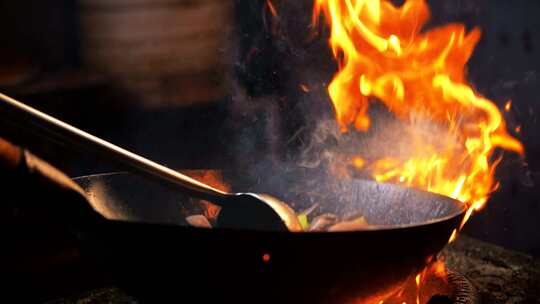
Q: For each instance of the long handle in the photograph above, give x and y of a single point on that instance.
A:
(44, 124)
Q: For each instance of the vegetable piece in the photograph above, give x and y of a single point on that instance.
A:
(303, 216)
(304, 222)
(356, 224)
(198, 221)
(323, 222)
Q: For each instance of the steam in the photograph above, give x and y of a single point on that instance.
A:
(401, 139)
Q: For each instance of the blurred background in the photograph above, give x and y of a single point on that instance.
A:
(220, 84)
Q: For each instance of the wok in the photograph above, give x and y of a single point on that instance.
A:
(151, 253)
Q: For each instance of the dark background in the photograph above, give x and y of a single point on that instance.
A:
(263, 61)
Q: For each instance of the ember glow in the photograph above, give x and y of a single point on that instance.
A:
(271, 8)
(383, 55)
(214, 179)
(431, 281)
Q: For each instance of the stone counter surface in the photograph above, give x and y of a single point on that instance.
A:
(501, 276)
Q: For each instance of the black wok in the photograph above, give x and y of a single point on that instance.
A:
(157, 261)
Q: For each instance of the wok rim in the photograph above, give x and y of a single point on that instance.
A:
(371, 228)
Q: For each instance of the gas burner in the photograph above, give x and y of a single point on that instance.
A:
(464, 290)
(448, 288)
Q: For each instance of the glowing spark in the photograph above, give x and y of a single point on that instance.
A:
(272, 8)
(358, 162)
(508, 106)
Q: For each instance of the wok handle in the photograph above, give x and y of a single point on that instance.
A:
(42, 124)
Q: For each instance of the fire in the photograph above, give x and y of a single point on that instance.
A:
(453, 236)
(214, 179)
(358, 162)
(271, 8)
(430, 281)
(384, 55)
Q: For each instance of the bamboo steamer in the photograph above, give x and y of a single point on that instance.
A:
(165, 52)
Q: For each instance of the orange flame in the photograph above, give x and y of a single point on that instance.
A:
(418, 281)
(214, 179)
(272, 8)
(384, 55)
(453, 236)
(358, 162)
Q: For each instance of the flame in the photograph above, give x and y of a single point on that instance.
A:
(418, 279)
(435, 269)
(272, 8)
(214, 179)
(358, 162)
(420, 288)
(453, 236)
(384, 55)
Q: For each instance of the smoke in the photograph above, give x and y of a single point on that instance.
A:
(269, 60)
(280, 115)
(389, 137)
